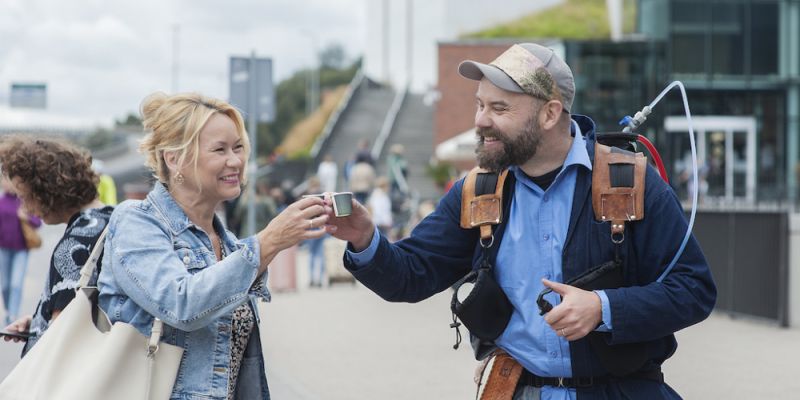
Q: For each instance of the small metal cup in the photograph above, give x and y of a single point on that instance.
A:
(342, 204)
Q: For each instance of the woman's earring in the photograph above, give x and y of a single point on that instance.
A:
(179, 178)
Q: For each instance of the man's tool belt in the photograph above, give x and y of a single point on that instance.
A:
(505, 374)
(529, 379)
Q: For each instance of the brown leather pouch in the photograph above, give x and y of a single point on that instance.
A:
(618, 186)
(503, 378)
(485, 208)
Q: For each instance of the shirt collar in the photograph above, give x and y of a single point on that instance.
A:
(176, 218)
(578, 155)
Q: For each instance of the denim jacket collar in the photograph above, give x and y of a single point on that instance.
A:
(174, 215)
(166, 205)
(178, 221)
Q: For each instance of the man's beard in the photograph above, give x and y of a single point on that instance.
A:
(516, 151)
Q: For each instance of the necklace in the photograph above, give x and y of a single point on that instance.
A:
(215, 237)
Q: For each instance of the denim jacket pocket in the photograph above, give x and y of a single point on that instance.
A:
(191, 259)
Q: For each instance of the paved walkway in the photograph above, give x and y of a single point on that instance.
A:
(343, 342)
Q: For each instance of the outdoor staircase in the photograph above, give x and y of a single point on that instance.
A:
(361, 120)
(413, 129)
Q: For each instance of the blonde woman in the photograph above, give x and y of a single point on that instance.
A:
(168, 256)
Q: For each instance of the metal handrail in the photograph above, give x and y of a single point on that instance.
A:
(334, 117)
(388, 123)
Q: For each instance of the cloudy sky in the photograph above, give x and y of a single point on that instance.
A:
(99, 58)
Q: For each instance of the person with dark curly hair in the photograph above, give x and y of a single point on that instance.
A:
(55, 180)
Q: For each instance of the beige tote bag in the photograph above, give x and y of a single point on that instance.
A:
(77, 358)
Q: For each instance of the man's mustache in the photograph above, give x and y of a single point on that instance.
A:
(484, 132)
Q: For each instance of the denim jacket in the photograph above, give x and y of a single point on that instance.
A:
(158, 263)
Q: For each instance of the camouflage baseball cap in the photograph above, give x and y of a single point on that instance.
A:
(527, 68)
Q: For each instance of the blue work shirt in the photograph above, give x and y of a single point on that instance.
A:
(530, 251)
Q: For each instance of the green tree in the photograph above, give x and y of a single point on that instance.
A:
(132, 119)
(291, 96)
(332, 57)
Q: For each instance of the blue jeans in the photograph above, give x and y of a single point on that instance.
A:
(13, 264)
(316, 259)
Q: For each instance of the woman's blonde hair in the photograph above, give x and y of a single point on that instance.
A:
(173, 123)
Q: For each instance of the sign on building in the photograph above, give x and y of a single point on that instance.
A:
(28, 95)
(252, 84)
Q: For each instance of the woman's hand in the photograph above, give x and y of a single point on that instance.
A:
(21, 325)
(302, 220)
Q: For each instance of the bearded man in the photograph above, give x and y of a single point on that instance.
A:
(523, 122)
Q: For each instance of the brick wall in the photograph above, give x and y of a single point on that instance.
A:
(455, 110)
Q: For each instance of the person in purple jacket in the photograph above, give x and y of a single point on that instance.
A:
(13, 252)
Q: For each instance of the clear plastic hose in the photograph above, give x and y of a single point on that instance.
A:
(694, 171)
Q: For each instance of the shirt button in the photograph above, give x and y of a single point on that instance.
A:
(186, 260)
(546, 236)
(547, 276)
(553, 354)
(546, 198)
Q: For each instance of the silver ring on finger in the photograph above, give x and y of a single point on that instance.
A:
(310, 224)
(563, 333)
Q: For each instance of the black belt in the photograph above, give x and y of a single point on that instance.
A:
(529, 379)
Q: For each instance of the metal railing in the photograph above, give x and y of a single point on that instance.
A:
(748, 253)
(334, 117)
(388, 123)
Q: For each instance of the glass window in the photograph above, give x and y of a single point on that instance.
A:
(764, 38)
(688, 53)
(690, 13)
(727, 56)
(728, 51)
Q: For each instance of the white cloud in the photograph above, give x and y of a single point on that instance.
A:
(100, 58)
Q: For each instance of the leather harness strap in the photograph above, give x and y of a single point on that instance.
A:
(482, 200)
(618, 187)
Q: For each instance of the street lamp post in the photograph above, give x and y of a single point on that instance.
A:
(312, 82)
(252, 127)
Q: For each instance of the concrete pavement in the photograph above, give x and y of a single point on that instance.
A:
(343, 342)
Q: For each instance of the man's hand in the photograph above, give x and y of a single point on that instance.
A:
(579, 313)
(357, 228)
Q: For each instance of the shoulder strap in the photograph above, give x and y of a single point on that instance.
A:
(91, 264)
(482, 200)
(618, 187)
(86, 273)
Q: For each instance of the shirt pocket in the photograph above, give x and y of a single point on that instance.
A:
(191, 258)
